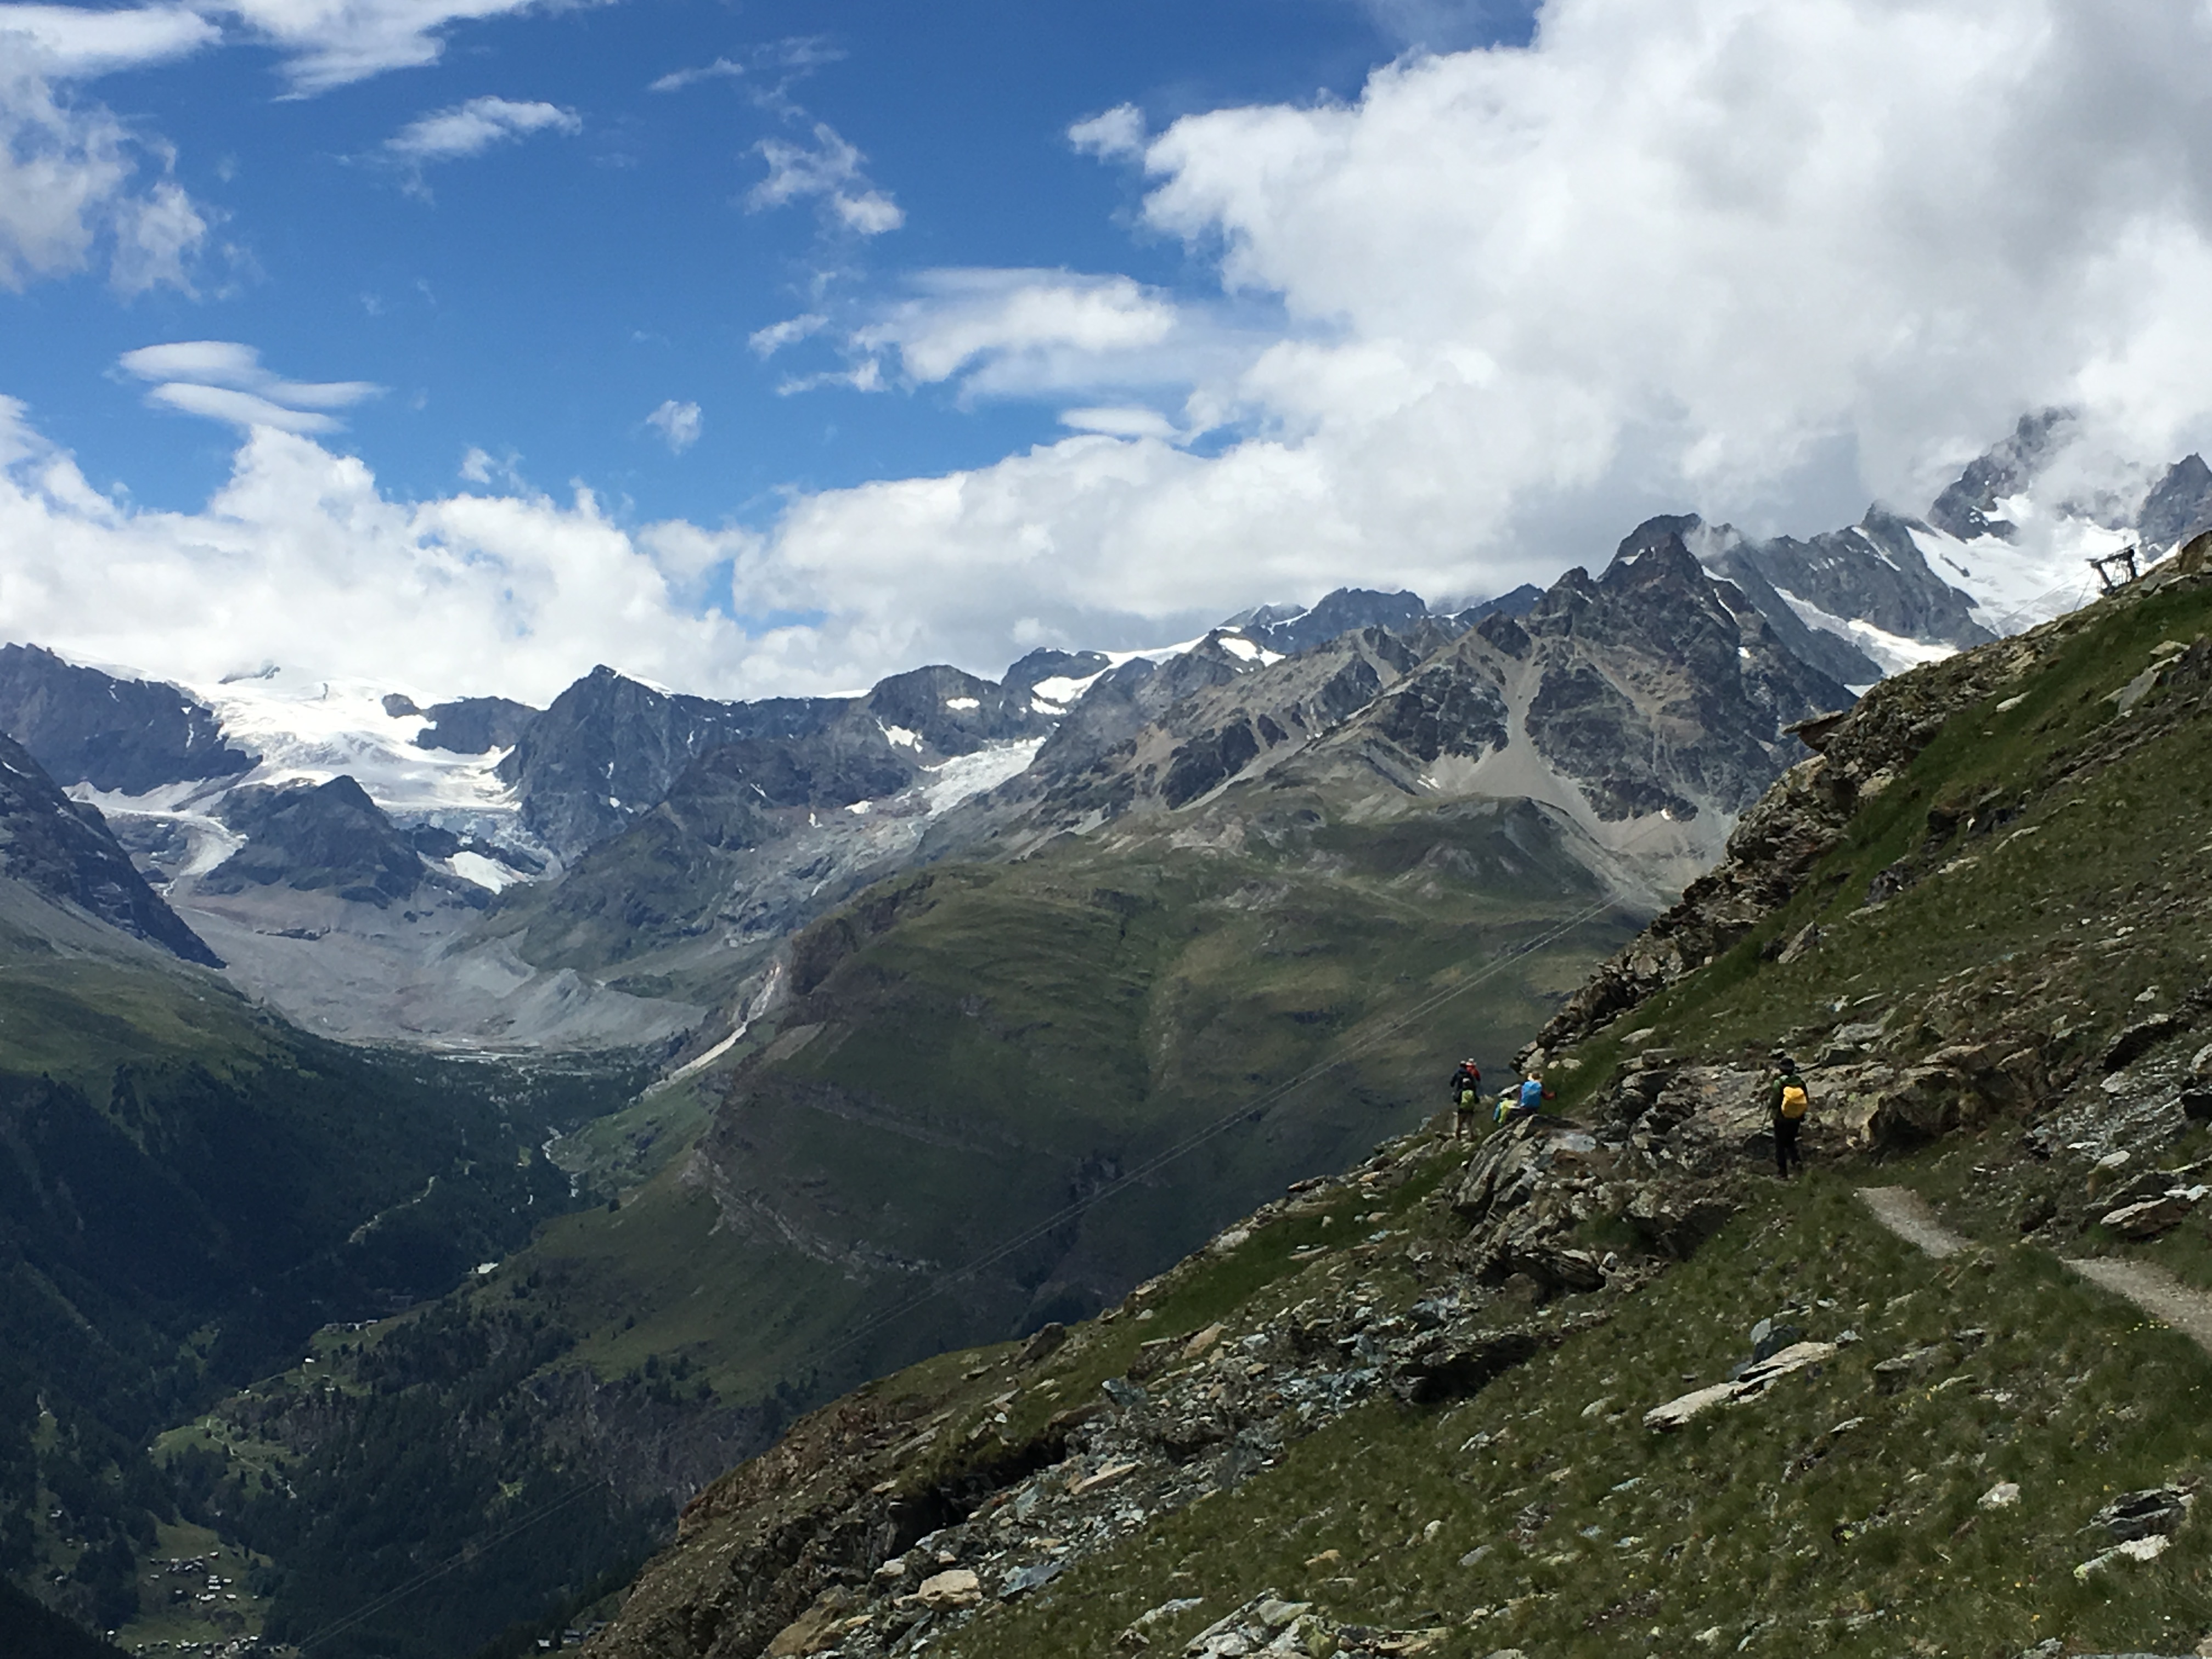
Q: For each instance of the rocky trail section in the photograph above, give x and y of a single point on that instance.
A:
(2156, 1292)
(2151, 1288)
(884, 1523)
(887, 1524)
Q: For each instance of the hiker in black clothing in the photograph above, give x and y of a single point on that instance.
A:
(1788, 1101)
(1466, 1091)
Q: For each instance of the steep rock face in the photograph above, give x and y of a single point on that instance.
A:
(1966, 508)
(1654, 691)
(476, 726)
(116, 734)
(609, 747)
(1805, 815)
(763, 832)
(1127, 699)
(1347, 610)
(956, 714)
(1213, 714)
(1821, 648)
(1660, 688)
(2178, 506)
(1873, 571)
(1047, 664)
(64, 849)
(329, 837)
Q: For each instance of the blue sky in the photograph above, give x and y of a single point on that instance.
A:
(539, 298)
(765, 348)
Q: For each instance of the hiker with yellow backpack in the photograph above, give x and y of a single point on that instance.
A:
(1788, 1102)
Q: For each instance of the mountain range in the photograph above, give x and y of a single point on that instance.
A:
(606, 870)
(1602, 1383)
(920, 977)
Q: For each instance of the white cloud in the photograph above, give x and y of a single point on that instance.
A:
(1005, 329)
(833, 170)
(226, 381)
(1120, 421)
(1748, 257)
(767, 342)
(301, 560)
(157, 235)
(720, 69)
(678, 423)
(1764, 260)
(69, 190)
(69, 42)
(1119, 131)
(331, 43)
(871, 213)
(472, 128)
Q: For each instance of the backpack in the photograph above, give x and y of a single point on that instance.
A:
(1467, 1098)
(1795, 1099)
(1532, 1096)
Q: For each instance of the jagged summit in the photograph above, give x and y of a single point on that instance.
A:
(1968, 508)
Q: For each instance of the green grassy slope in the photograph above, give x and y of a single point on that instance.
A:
(1829, 1516)
(189, 1187)
(965, 1053)
(2044, 901)
(972, 1049)
(2032, 833)
(2062, 873)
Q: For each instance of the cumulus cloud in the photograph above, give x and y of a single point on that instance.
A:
(70, 190)
(301, 560)
(225, 382)
(1004, 330)
(69, 42)
(1761, 260)
(678, 424)
(1757, 258)
(472, 128)
(1119, 131)
(831, 169)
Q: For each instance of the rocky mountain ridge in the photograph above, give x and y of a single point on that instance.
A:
(2010, 1023)
(494, 794)
(63, 848)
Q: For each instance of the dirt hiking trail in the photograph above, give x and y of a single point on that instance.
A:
(1906, 1214)
(2152, 1289)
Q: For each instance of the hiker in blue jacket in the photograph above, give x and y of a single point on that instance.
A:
(1526, 1100)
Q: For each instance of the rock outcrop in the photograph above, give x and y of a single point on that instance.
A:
(123, 735)
(64, 849)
